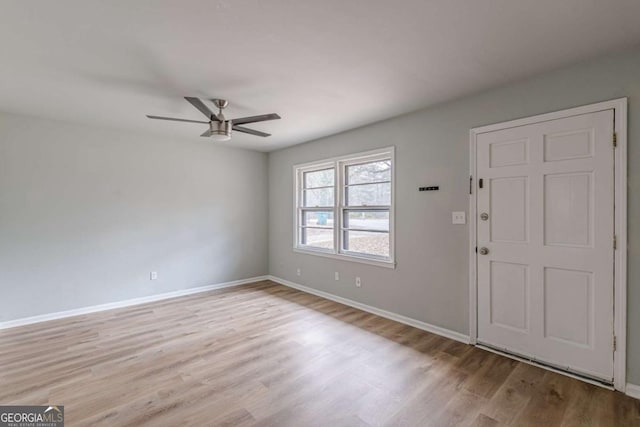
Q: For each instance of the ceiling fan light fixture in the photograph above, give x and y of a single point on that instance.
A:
(219, 127)
(221, 131)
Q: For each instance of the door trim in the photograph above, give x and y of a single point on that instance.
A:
(620, 219)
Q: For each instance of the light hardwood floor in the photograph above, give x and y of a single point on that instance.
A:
(264, 354)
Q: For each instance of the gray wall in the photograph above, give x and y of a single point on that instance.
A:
(430, 282)
(87, 213)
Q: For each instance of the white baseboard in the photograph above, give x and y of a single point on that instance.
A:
(457, 336)
(125, 303)
(633, 390)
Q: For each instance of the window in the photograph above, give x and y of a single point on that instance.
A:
(344, 207)
(316, 212)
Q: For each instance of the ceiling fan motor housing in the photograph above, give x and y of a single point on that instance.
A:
(221, 131)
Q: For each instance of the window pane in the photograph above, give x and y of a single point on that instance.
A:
(368, 195)
(322, 178)
(369, 172)
(367, 243)
(317, 219)
(318, 197)
(318, 237)
(368, 220)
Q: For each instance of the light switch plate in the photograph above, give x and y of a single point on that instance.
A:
(458, 218)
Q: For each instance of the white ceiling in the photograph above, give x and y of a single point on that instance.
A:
(324, 65)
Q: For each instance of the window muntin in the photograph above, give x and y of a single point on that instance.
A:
(317, 209)
(367, 243)
(372, 220)
(345, 207)
(319, 178)
(322, 238)
(370, 172)
(318, 188)
(319, 197)
(366, 208)
(378, 194)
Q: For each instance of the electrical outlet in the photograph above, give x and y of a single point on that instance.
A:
(298, 272)
(153, 275)
(337, 276)
(358, 282)
(458, 218)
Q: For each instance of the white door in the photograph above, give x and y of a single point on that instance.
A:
(545, 287)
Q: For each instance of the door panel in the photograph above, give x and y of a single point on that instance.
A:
(568, 209)
(564, 288)
(508, 153)
(545, 288)
(508, 209)
(509, 295)
(568, 145)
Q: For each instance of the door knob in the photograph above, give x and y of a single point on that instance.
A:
(484, 216)
(484, 251)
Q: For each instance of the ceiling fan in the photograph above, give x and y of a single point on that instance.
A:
(219, 127)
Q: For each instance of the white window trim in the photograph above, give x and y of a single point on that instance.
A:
(339, 163)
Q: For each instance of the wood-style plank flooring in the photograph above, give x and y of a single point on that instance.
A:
(267, 355)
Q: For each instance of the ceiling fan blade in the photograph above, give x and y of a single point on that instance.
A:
(196, 102)
(250, 131)
(206, 133)
(253, 119)
(176, 120)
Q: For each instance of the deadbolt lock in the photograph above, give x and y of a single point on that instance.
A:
(484, 216)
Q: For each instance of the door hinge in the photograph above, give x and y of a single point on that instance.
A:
(615, 139)
(471, 185)
(480, 183)
(615, 242)
(615, 343)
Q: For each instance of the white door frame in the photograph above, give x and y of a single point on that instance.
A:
(620, 269)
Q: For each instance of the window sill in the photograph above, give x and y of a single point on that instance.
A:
(345, 257)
